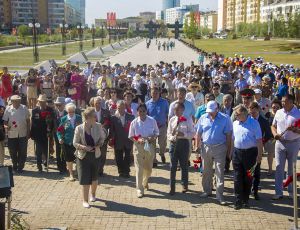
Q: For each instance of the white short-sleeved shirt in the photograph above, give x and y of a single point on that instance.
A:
(17, 121)
(145, 128)
(283, 120)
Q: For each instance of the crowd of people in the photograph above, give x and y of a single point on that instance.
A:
(229, 111)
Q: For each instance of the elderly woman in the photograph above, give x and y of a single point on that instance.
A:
(65, 134)
(143, 132)
(88, 139)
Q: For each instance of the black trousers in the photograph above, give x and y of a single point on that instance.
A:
(179, 152)
(256, 178)
(18, 151)
(243, 160)
(227, 163)
(123, 160)
(60, 160)
(41, 150)
(102, 160)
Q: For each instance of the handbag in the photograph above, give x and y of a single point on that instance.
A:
(72, 91)
(147, 147)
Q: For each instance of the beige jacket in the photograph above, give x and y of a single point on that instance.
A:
(98, 133)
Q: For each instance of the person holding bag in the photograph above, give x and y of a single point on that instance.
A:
(143, 132)
(88, 139)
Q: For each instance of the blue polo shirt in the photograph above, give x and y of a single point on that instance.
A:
(158, 110)
(214, 132)
(200, 111)
(246, 133)
(189, 110)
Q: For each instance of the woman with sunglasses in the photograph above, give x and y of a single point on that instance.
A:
(143, 132)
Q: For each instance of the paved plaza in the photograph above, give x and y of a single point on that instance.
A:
(49, 200)
(139, 54)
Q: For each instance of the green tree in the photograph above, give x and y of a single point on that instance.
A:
(23, 31)
(130, 33)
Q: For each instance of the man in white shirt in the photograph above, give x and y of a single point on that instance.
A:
(17, 120)
(180, 131)
(143, 132)
(287, 145)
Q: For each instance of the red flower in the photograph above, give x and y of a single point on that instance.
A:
(289, 180)
(106, 122)
(129, 110)
(249, 175)
(114, 106)
(196, 166)
(182, 119)
(136, 138)
(61, 129)
(15, 126)
(263, 108)
(297, 124)
(14, 122)
(197, 161)
(44, 114)
(264, 141)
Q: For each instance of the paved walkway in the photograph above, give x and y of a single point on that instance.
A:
(139, 54)
(50, 200)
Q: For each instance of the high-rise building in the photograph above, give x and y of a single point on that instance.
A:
(159, 15)
(222, 14)
(167, 4)
(78, 5)
(177, 13)
(49, 13)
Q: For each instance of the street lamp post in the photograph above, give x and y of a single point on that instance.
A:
(119, 38)
(80, 34)
(93, 35)
(34, 25)
(115, 33)
(109, 37)
(102, 35)
(63, 27)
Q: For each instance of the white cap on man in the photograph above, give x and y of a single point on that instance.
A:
(211, 107)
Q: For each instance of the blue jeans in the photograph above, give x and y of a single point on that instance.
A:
(18, 151)
(285, 151)
(179, 151)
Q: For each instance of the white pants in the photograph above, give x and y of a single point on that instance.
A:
(143, 161)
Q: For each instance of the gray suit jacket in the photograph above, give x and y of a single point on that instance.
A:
(99, 135)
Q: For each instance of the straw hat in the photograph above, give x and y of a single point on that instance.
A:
(15, 98)
(42, 97)
(194, 84)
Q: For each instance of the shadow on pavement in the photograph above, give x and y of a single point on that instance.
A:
(138, 211)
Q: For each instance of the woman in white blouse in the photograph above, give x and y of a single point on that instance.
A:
(194, 96)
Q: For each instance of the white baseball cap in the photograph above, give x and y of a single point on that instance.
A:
(211, 106)
(257, 91)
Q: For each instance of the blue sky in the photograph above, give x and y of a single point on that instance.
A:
(125, 8)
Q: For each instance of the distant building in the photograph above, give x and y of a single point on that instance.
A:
(148, 16)
(233, 12)
(130, 22)
(167, 4)
(177, 13)
(49, 13)
(222, 14)
(282, 9)
(159, 15)
(209, 20)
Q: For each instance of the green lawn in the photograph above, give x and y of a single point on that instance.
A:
(249, 48)
(25, 57)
